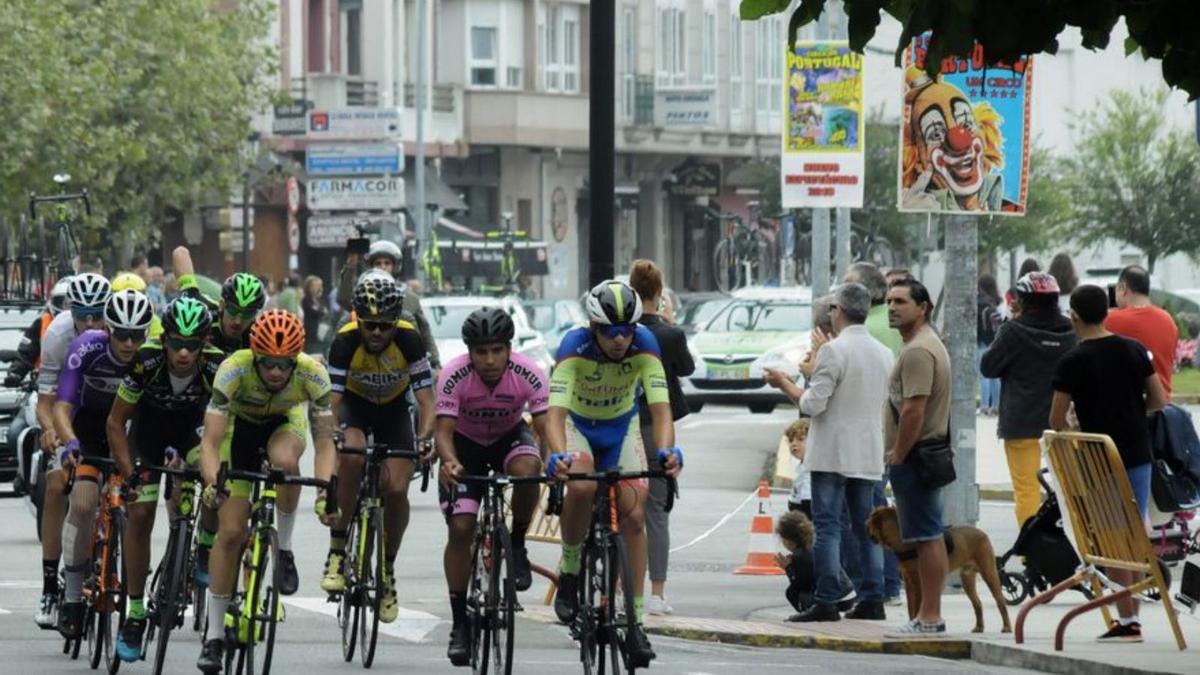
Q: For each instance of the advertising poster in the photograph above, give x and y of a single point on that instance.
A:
(822, 159)
(964, 135)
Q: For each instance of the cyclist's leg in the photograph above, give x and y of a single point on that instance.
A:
(392, 425)
(284, 449)
(240, 449)
(577, 503)
(54, 512)
(140, 525)
(77, 530)
(349, 470)
(461, 510)
(523, 458)
(631, 505)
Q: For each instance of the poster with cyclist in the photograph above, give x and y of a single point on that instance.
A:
(822, 158)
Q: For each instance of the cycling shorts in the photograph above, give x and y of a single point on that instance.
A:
(152, 433)
(612, 444)
(245, 444)
(390, 423)
(91, 430)
(482, 460)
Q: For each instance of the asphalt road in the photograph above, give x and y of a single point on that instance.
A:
(725, 450)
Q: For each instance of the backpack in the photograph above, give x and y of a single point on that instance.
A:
(987, 322)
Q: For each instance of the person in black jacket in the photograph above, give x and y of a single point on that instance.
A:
(646, 278)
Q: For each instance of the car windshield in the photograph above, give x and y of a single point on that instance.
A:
(541, 316)
(698, 314)
(10, 336)
(762, 316)
(445, 321)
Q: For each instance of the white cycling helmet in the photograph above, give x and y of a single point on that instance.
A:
(384, 248)
(129, 310)
(88, 290)
(613, 303)
(58, 297)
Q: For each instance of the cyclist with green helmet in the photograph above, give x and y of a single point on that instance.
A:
(242, 297)
(164, 394)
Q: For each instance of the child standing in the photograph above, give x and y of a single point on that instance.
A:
(801, 497)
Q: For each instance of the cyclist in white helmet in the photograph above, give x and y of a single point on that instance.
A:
(87, 295)
(29, 351)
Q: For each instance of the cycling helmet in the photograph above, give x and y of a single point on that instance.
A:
(243, 291)
(1037, 283)
(128, 281)
(488, 325)
(613, 303)
(377, 297)
(129, 310)
(88, 290)
(277, 332)
(387, 249)
(58, 297)
(186, 317)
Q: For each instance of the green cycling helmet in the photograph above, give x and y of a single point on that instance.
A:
(186, 317)
(244, 292)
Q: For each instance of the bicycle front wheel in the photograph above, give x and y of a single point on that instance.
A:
(621, 576)
(170, 593)
(478, 591)
(372, 583)
(350, 604)
(587, 624)
(723, 262)
(112, 600)
(263, 605)
(93, 628)
(502, 603)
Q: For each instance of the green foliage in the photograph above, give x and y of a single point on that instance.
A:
(145, 103)
(880, 181)
(1131, 179)
(1160, 29)
(1047, 209)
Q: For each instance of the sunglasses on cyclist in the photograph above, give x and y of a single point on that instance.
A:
(241, 315)
(276, 363)
(376, 326)
(179, 343)
(127, 335)
(87, 313)
(614, 332)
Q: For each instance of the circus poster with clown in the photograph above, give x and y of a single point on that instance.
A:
(964, 135)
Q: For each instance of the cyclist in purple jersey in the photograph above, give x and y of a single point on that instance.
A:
(95, 365)
(482, 398)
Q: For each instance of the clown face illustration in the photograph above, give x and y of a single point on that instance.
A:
(951, 145)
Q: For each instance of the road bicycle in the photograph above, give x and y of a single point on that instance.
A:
(67, 247)
(600, 626)
(866, 245)
(744, 256)
(365, 566)
(103, 589)
(491, 594)
(510, 266)
(173, 586)
(255, 612)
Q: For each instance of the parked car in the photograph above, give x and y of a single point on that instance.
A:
(696, 309)
(14, 418)
(446, 314)
(553, 318)
(758, 328)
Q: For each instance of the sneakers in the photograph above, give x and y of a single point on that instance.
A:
(656, 605)
(291, 577)
(916, 628)
(867, 611)
(200, 575)
(818, 612)
(389, 605)
(566, 601)
(70, 620)
(522, 576)
(1119, 633)
(212, 657)
(638, 646)
(129, 642)
(895, 601)
(459, 651)
(848, 599)
(334, 581)
(47, 614)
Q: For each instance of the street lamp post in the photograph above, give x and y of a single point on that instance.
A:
(601, 140)
(245, 220)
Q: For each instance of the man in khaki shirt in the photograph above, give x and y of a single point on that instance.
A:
(918, 409)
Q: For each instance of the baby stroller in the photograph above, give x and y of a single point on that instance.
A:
(1049, 556)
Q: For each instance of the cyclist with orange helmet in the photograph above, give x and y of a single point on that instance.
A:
(257, 412)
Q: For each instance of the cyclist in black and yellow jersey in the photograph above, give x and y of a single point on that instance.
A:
(372, 363)
(243, 296)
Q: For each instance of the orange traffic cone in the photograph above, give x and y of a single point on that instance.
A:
(760, 559)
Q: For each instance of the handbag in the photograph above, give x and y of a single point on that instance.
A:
(932, 460)
(1172, 492)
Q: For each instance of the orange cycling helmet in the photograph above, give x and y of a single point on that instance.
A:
(277, 332)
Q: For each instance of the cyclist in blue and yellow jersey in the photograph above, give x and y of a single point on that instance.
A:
(593, 425)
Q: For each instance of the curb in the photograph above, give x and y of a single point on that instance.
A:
(939, 647)
(993, 654)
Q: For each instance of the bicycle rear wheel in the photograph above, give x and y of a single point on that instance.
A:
(112, 602)
(587, 624)
(723, 262)
(622, 577)
(93, 630)
(371, 566)
(350, 605)
(610, 642)
(502, 602)
(264, 602)
(171, 598)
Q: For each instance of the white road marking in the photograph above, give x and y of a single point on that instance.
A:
(20, 584)
(411, 626)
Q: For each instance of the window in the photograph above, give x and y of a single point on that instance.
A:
(559, 51)
(628, 63)
(483, 56)
(352, 24)
(570, 55)
(708, 46)
(768, 69)
(736, 62)
(672, 65)
(513, 78)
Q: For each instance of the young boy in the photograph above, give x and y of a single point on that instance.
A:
(795, 531)
(801, 497)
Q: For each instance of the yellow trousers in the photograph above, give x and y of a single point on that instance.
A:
(1024, 463)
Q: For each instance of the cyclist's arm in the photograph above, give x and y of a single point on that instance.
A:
(118, 440)
(562, 390)
(426, 402)
(444, 433)
(541, 427)
(181, 259)
(45, 417)
(63, 410)
(210, 444)
(320, 411)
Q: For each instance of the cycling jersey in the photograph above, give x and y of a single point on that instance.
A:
(55, 343)
(487, 414)
(597, 389)
(216, 336)
(239, 391)
(93, 374)
(378, 378)
(30, 348)
(149, 380)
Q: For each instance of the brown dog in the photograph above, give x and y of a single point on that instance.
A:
(972, 554)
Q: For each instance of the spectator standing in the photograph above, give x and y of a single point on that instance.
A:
(646, 279)
(1138, 319)
(1010, 296)
(139, 266)
(154, 288)
(895, 274)
(1063, 271)
(918, 410)
(987, 322)
(1023, 356)
(288, 297)
(315, 312)
(1112, 383)
(846, 391)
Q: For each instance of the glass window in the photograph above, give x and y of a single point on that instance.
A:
(750, 315)
(736, 59)
(709, 48)
(445, 321)
(671, 52)
(483, 56)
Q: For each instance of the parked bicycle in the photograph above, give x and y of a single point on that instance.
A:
(601, 626)
(510, 267)
(67, 247)
(256, 610)
(744, 256)
(364, 566)
(491, 594)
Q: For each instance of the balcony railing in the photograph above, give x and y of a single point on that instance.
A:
(441, 97)
(345, 90)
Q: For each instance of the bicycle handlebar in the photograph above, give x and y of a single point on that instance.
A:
(82, 195)
(186, 473)
(382, 451)
(503, 479)
(555, 501)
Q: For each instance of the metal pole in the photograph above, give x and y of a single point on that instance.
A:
(601, 141)
(418, 211)
(245, 222)
(820, 252)
(843, 242)
(962, 496)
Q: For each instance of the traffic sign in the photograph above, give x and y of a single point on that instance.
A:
(353, 194)
(362, 123)
(293, 195)
(293, 232)
(347, 159)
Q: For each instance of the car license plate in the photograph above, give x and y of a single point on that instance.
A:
(731, 374)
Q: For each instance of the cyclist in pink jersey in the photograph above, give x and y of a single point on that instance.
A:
(482, 398)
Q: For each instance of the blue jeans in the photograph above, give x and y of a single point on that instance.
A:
(989, 387)
(832, 493)
(891, 566)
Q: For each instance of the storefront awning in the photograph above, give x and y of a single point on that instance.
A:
(459, 228)
(436, 192)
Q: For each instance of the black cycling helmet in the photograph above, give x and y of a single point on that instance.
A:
(613, 303)
(488, 325)
(187, 317)
(244, 292)
(377, 298)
